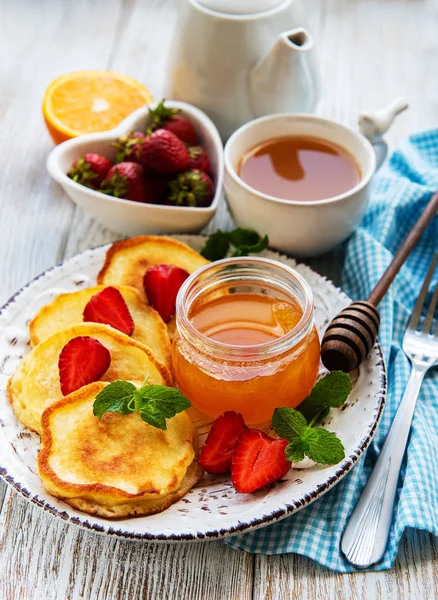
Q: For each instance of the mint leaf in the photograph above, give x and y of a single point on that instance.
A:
(318, 444)
(155, 403)
(334, 388)
(294, 451)
(152, 415)
(296, 426)
(324, 447)
(119, 406)
(166, 400)
(114, 397)
(308, 436)
(245, 241)
(259, 247)
(288, 423)
(243, 237)
(329, 392)
(216, 246)
(158, 403)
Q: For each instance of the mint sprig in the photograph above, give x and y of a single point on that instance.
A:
(318, 444)
(297, 426)
(244, 242)
(331, 391)
(155, 403)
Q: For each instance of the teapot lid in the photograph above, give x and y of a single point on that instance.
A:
(240, 7)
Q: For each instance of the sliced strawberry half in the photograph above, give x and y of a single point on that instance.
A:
(258, 460)
(110, 308)
(82, 361)
(217, 452)
(161, 284)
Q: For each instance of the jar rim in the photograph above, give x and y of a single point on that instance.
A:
(271, 348)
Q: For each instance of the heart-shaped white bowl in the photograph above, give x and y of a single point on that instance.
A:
(134, 218)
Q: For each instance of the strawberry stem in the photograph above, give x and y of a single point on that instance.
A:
(188, 190)
(117, 185)
(160, 114)
(82, 172)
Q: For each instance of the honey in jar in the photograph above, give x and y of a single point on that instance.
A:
(246, 339)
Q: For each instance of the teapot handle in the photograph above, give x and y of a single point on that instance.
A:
(373, 125)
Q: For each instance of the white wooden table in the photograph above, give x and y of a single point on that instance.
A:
(370, 51)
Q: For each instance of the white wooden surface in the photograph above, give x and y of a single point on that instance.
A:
(370, 51)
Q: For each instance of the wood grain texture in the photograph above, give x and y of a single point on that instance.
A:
(49, 560)
(38, 43)
(369, 52)
(413, 576)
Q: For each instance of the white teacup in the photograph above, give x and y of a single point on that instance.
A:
(303, 228)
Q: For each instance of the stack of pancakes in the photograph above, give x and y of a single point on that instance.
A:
(117, 466)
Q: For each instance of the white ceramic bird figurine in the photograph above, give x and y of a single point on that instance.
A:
(374, 124)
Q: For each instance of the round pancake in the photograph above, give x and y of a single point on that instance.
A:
(117, 466)
(126, 261)
(68, 309)
(35, 384)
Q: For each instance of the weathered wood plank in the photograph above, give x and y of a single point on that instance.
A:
(370, 52)
(39, 41)
(290, 576)
(48, 560)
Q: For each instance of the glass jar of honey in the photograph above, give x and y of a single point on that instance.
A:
(245, 338)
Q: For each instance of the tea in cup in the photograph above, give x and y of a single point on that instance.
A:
(299, 168)
(301, 179)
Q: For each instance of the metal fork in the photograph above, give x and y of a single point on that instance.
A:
(366, 536)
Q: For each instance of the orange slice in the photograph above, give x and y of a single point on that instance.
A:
(287, 315)
(90, 101)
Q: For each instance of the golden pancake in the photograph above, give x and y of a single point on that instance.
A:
(126, 262)
(35, 384)
(67, 310)
(117, 466)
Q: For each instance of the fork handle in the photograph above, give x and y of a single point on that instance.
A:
(366, 536)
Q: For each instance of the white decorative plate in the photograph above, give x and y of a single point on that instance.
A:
(213, 509)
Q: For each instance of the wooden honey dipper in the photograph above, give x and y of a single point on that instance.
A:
(352, 333)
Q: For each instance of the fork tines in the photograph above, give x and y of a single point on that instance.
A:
(419, 305)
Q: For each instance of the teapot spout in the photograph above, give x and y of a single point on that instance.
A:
(285, 80)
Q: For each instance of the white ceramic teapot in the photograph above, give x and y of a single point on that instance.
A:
(241, 59)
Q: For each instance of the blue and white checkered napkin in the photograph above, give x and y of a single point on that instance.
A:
(401, 190)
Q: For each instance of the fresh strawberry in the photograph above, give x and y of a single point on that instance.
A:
(191, 188)
(90, 170)
(164, 153)
(217, 452)
(170, 119)
(109, 307)
(258, 460)
(182, 128)
(130, 147)
(82, 361)
(199, 159)
(125, 180)
(161, 284)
